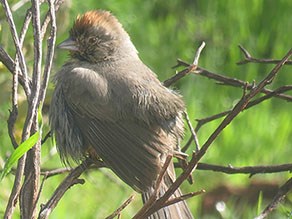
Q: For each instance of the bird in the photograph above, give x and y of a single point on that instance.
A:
(108, 105)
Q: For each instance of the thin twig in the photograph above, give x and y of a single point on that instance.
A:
(15, 38)
(25, 26)
(54, 6)
(28, 196)
(182, 198)
(198, 53)
(281, 194)
(151, 201)
(227, 120)
(242, 104)
(252, 170)
(50, 52)
(248, 58)
(14, 112)
(6, 60)
(54, 172)
(69, 181)
(184, 72)
(252, 103)
(236, 82)
(193, 133)
(16, 188)
(48, 135)
(121, 208)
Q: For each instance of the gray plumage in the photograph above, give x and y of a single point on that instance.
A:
(108, 105)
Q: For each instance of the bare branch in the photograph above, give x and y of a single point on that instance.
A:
(193, 134)
(29, 195)
(184, 72)
(236, 82)
(281, 194)
(152, 200)
(6, 59)
(54, 172)
(121, 208)
(16, 188)
(235, 111)
(248, 58)
(272, 93)
(50, 52)
(54, 6)
(17, 44)
(198, 53)
(242, 104)
(252, 170)
(69, 181)
(182, 198)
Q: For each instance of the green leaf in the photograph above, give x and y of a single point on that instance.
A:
(260, 202)
(40, 116)
(18, 153)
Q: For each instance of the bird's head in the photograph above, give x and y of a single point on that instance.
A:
(98, 36)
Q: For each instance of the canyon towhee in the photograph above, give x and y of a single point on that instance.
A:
(108, 105)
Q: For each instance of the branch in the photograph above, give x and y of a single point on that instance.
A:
(143, 212)
(17, 44)
(241, 105)
(181, 198)
(252, 170)
(28, 195)
(50, 52)
(193, 137)
(16, 188)
(248, 58)
(50, 16)
(121, 208)
(237, 83)
(281, 194)
(69, 181)
(6, 60)
(235, 111)
(184, 72)
(252, 103)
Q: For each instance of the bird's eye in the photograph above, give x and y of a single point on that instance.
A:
(93, 40)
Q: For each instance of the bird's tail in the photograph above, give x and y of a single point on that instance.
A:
(178, 210)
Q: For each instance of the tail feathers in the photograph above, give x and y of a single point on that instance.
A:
(178, 210)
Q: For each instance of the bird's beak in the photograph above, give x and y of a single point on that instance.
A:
(69, 44)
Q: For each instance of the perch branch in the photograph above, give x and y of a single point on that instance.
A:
(248, 58)
(252, 170)
(235, 111)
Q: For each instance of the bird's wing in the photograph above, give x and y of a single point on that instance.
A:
(133, 149)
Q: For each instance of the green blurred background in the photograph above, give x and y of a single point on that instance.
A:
(162, 32)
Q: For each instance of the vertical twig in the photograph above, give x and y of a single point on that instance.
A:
(14, 34)
(193, 133)
(29, 194)
(50, 52)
